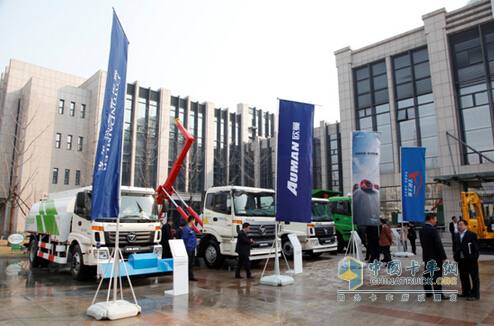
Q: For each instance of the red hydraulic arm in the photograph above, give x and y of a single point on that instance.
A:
(166, 190)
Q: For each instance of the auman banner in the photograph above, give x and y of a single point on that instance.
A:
(366, 151)
(412, 183)
(106, 174)
(294, 162)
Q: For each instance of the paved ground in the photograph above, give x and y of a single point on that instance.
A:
(50, 297)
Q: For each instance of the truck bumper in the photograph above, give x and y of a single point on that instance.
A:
(314, 246)
(137, 264)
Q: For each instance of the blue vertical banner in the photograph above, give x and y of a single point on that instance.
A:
(107, 165)
(413, 183)
(366, 152)
(294, 162)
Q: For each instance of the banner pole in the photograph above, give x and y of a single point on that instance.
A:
(276, 258)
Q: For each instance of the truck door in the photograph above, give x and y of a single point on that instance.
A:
(81, 220)
(219, 207)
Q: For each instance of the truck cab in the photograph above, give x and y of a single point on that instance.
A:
(341, 210)
(315, 237)
(61, 230)
(225, 210)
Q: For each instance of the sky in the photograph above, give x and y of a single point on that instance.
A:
(222, 51)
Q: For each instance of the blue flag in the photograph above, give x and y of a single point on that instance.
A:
(294, 163)
(106, 174)
(413, 183)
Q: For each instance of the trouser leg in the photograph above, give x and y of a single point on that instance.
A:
(464, 278)
(191, 263)
(474, 274)
(239, 265)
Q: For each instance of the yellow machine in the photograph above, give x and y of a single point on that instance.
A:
(479, 216)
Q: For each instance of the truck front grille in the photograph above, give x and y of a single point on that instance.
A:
(262, 231)
(130, 238)
(324, 231)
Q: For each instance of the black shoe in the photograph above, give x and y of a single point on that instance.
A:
(249, 276)
(238, 276)
(463, 296)
(193, 279)
(472, 299)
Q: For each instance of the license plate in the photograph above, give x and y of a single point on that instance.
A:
(263, 244)
(131, 249)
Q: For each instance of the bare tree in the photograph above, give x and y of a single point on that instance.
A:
(17, 190)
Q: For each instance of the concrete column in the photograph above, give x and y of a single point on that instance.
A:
(347, 112)
(257, 162)
(324, 154)
(209, 146)
(163, 134)
(134, 134)
(451, 200)
(243, 110)
(392, 116)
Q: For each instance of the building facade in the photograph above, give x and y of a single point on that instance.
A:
(431, 87)
(49, 124)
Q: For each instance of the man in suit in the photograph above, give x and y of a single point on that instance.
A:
(432, 253)
(466, 253)
(167, 233)
(243, 250)
(453, 228)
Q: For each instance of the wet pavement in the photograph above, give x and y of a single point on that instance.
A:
(49, 296)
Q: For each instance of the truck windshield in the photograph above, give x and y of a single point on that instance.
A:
(321, 212)
(253, 203)
(137, 207)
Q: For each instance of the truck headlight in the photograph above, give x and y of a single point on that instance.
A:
(157, 250)
(101, 254)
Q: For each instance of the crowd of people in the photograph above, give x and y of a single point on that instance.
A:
(465, 247)
(378, 242)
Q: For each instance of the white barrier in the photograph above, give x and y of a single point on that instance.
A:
(180, 268)
(297, 254)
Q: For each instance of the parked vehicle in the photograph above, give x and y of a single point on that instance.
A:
(61, 231)
(225, 210)
(315, 237)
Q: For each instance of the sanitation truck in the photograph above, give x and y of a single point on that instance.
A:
(315, 237)
(341, 210)
(61, 231)
(225, 210)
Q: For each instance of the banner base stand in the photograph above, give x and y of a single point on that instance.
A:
(113, 310)
(277, 280)
(402, 254)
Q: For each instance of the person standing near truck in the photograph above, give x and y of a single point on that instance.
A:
(412, 236)
(167, 233)
(190, 241)
(243, 250)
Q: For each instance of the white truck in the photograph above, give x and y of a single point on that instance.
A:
(316, 237)
(61, 231)
(225, 210)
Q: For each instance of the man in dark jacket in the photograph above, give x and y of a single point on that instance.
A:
(453, 228)
(190, 241)
(243, 250)
(432, 253)
(167, 233)
(466, 253)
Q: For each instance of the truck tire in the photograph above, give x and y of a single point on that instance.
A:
(34, 260)
(78, 270)
(287, 248)
(212, 255)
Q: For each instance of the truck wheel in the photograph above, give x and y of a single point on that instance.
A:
(34, 260)
(79, 271)
(287, 248)
(212, 255)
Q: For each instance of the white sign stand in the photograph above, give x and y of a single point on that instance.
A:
(276, 279)
(397, 239)
(297, 254)
(180, 268)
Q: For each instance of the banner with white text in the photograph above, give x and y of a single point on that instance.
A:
(106, 174)
(366, 177)
(412, 183)
(294, 162)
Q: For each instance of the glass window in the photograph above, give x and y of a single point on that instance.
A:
(381, 96)
(66, 177)
(423, 86)
(363, 86)
(362, 73)
(401, 61)
(72, 109)
(54, 176)
(69, 142)
(77, 177)
(80, 142)
(61, 104)
(404, 91)
(407, 130)
(83, 111)
(403, 75)
(58, 140)
(422, 70)
(420, 55)
(366, 123)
